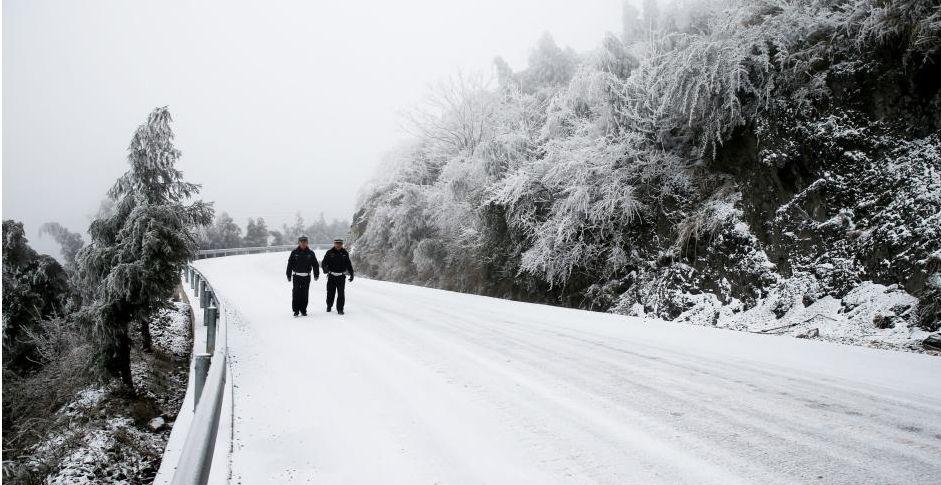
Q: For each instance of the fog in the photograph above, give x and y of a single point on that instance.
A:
(279, 107)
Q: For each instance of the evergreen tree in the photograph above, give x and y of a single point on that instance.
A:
(630, 23)
(69, 242)
(138, 249)
(228, 234)
(250, 229)
(35, 287)
(256, 233)
(549, 64)
(651, 21)
(505, 76)
(291, 233)
(278, 238)
(261, 232)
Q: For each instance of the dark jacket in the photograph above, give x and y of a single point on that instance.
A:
(303, 261)
(337, 261)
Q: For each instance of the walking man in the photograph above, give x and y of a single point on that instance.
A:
(336, 265)
(301, 264)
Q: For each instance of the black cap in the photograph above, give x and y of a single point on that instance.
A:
(338, 241)
(302, 238)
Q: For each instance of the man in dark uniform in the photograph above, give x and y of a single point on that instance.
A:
(301, 264)
(336, 265)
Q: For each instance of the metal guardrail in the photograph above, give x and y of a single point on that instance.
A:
(216, 253)
(211, 373)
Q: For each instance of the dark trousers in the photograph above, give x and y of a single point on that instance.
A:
(300, 293)
(335, 286)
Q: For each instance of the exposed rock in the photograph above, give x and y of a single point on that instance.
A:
(884, 320)
(157, 424)
(933, 342)
(812, 333)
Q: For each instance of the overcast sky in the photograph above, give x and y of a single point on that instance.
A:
(279, 106)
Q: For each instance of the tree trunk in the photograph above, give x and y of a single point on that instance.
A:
(146, 341)
(123, 363)
(118, 362)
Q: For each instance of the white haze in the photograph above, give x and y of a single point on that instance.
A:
(279, 107)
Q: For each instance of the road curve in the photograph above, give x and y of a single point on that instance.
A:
(415, 385)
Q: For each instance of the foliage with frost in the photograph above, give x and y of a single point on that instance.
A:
(711, 148)
(131, 265)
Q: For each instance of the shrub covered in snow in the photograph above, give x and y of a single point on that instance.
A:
(761, 154)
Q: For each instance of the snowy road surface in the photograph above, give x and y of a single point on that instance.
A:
(415, 385)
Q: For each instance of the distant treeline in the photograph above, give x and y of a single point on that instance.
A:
(225, 233)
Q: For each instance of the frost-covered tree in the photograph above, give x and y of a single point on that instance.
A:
(651, 11)
(224, 233)
(292, 232)
(504, 72)
(227, 231)
(256, 233)
(138, 249)
(69, 242)
(278, 238)
(653, 167)
(631, 27)
(323, 231)
(549, 64)
(35, 287)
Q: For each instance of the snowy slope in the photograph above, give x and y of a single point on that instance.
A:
(416, 385)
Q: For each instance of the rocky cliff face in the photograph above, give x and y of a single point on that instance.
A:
(843, 204)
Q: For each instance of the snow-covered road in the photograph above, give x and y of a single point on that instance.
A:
(415, 385)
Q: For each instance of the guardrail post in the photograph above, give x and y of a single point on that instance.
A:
(206, 315)
(205, 298)
(202, 288)
(210, 318)
(186, 273)
(201, 369)
(193, 280)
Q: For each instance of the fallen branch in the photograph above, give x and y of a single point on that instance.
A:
(790, 325)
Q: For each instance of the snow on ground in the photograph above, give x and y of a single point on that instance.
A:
(170, 330)
(101, 437)
(96, 441)
(871, 314)
(416, 385)
(114, 451)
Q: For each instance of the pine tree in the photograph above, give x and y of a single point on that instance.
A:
(278, 238)
(630, 23)
(549, 64)
(256, 233)
(261, 232)
(651, 16)
(291, 233)
(228, 234)
(138, 249)
(69, 242)
(35, 287)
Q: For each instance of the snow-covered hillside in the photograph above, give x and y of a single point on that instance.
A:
(719, 162)
(418, 385)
